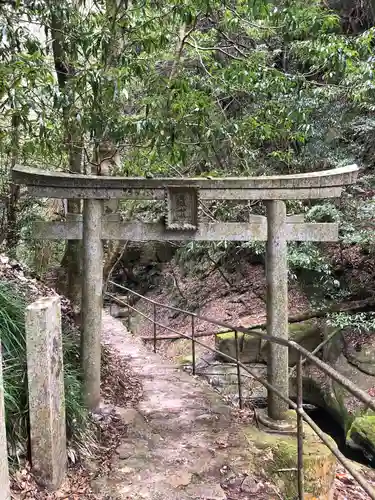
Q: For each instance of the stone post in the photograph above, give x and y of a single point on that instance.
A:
(46, 391)
(92, 300)
(277, 306)
(4, 471)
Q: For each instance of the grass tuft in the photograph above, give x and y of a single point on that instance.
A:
(12, 333)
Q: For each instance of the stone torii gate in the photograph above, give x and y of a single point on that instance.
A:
(182, 223)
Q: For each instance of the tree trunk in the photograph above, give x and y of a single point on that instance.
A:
(12, 204)
(107, 158)
(70, 277)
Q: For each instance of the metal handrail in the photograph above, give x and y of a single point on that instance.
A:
(363, 396)
(302, 352)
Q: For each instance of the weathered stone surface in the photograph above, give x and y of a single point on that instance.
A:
(180, 449)
(308, 334)
(277, 306)
(183, 478)
(136, 422)
(92, 300)
(250, 485)
(223, 377)
(119, 312)
(4, 471)
(46, 390)
(321, 391)
(207, 492)
(125, 451)
(182, 208)
(212, 231)
(249, 346)
(279, 456)
(128, 415)
(363, 358)
(324, 184)
(185, 360)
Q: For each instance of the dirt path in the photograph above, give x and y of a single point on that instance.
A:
(182, 442)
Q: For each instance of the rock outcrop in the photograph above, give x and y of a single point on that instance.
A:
(361, 435)
(252, 349)
(350, 353)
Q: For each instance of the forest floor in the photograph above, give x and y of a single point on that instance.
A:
(238, 296)
(236, 299)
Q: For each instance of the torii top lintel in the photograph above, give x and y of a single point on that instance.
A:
(315, 185)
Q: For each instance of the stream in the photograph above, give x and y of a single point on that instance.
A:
(329, 425)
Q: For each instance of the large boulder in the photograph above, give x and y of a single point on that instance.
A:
(351, 353)
(363, 357)
(308, 334)
(353, 359)
(252, 349)
(249, 346)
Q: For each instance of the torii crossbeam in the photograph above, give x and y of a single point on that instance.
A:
(182, 224)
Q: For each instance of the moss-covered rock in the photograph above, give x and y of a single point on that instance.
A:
(346, 409)
(253, 350)
(308, 334)
(248, 345)
(278, 457)
(362, 435)
(185, 360)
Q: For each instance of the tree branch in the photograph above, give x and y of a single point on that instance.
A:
(215, 49)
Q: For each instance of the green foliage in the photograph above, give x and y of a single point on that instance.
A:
(235, 95)
(38, 255)
(358, 322)
(12, 333)
(194, 88)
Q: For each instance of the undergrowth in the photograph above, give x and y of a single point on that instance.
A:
(80, 431)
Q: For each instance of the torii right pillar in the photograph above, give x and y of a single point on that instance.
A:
(314, 186)
(277, 306)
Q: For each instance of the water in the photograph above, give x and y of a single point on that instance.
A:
(329, 425)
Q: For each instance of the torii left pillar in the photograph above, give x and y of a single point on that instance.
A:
(92, 300)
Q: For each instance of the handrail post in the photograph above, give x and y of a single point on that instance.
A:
(300, 427)
(154, 324)
(277, 306)
(193, 343)
(238, 371)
